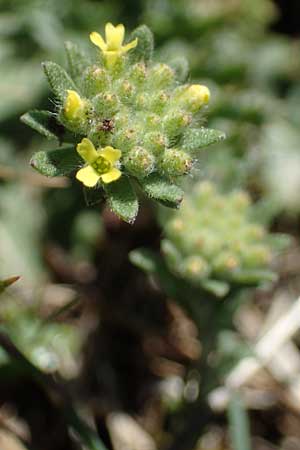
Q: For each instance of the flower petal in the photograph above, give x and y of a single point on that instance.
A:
(98, 40)
(113, 175)
(111, 154)
(130, 45)
(87, 150)
(114, 36)
(88, 176)
(73, 104)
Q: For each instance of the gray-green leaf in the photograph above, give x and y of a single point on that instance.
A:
(162, 190)
(196, 138)
(77, 61)
(44, 122)
(122, 199)
(58, 79)
(58, 162)
(144, 49)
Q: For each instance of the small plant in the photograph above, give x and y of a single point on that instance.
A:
(215, 243)
(120, 117)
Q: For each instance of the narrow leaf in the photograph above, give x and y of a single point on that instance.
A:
(144, 49)
(77, 61)
(254, 276)
(161, 190)
(196, 138)
(85, 433)
(180, 66)
(122, 199)
(44, 122)
(144, 259)
(216, 287)
(58, 162)
(239, 428)
(58, 79)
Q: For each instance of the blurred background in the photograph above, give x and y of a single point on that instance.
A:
(96, 353)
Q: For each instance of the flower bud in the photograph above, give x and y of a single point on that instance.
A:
(161, 76)
(155, 142)
(175, 122)
(139, 162)
(194, 268)
(175, 162)
(95, 80)
(226, 262)
(106, 105)
(193, 97)
(138, 73)
(74, 106)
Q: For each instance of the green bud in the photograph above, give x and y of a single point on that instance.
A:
(194, 268)
(175, 122)
(256, 256)
(175, 162)
(138, 74)
(139, 162)
(125, 139)
(159, 101)
(226, 262)
(161, 76)
(126, 91)
(95, 80)
(106, 105)
(155, 142)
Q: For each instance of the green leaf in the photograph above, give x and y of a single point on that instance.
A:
(144, 259)
(162, 190)
(144, 49)
(180, 66)
(122, 199)
(217, 288)
(196, 138)
(77, 60)
(58, 162)
(44, 122)
(254, 276)
(58, 79)
(86, 434)
(239, 428)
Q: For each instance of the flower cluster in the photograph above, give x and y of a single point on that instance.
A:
(213, 241)
(135, 119)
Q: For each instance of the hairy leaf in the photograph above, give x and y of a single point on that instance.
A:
(162, 190)
(58, 162)
(144, 49)
(122, 199)
(58, 79)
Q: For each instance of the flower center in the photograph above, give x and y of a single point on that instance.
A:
(101, 165)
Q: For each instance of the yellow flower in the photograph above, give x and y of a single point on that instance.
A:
(101, 164)
(74, 105)
(113, 48)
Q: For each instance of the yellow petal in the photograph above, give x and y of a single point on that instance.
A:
(113, 175)
(111, 154)
(73, 104)
(114, 36)
(112, 57)
(98, 40)
(87, 150)
(88, 176)
(130, 45)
